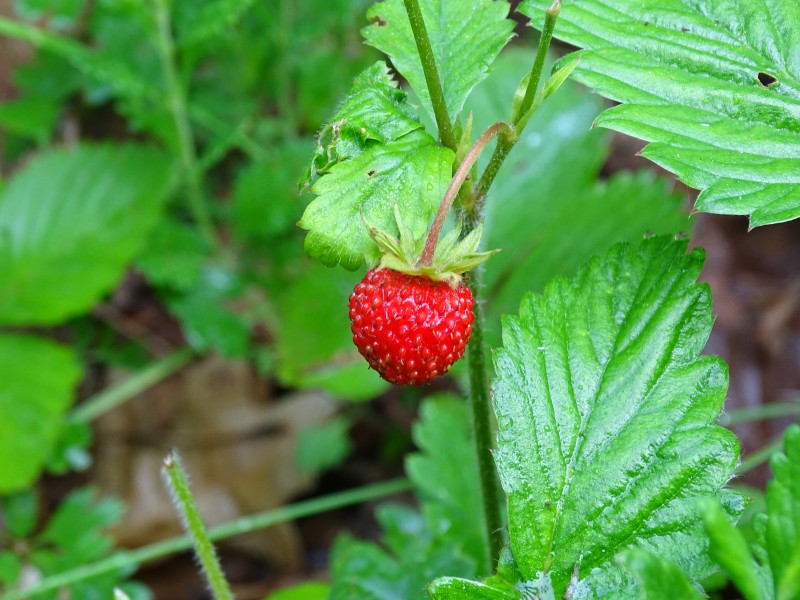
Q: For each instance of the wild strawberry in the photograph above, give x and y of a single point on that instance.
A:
(410, 328)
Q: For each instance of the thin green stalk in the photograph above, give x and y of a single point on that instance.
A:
(550, 16)
(176, 100)
(133, 558)
(482, 424)
(431, 73)
(774, 410)
(101, 403)
(506, 143)
(177, 481)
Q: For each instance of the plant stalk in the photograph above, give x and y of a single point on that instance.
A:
(550, 16)
(482, 424)
(431, 73)
(131, 558)
(101, 403)
(506, 143)
(426, 259)
(177, 481)
(176, 100)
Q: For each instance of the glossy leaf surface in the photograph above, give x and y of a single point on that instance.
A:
(714, 85)
(605, 410)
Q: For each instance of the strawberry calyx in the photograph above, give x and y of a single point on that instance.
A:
(452, 257)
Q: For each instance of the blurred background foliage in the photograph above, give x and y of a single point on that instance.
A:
(154, 291)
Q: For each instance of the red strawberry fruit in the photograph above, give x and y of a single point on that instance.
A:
(411, 316)
(410, 328)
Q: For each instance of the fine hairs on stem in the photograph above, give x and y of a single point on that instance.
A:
(178, 484)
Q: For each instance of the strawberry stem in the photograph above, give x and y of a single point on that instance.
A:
(431, 73)
(426, 260)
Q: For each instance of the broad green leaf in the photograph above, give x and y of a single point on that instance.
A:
(443, 540)
(783, 524)
(547, 210)
(412, 172)
(446, 478)
(20, 512)
(266, 203)
(324, 446)
(729, 550)
(211, 19)
(98, 66)
(37, 379)
(375, 110)
(207, 320)
(315, 346)
(372, 155)
(658, 579)
(454, 588)
(466, 36)
(174, 256)
(70, 221)
(10, 568)
(715, 85)
(304, 591)
(605, 410)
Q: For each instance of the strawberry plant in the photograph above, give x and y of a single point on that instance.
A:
(458, 235)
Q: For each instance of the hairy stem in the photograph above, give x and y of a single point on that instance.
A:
(125, 559)
(455, 185)
(175, 476)
(176, 100)
(482, 424)
(431, 73)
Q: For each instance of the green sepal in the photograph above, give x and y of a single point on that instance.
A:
(452, 258)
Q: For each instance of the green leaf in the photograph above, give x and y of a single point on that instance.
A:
(441, 542)
(714, 85)
(98, 66)
(465, 35)
(70, 221)
(372, 155)
(212, 19)
(413, 172)
(207, 321)
(547, 210)
(37, 378)
(375, 110)
(658, 579)
(605, 410)
(729, 550)
(454, 588)
(10, 568)
(315, 346)
(783, 523)
(324, 446)
(445, 476)
(265, 199)
(304, 591)
(174, 256)
(20, 512)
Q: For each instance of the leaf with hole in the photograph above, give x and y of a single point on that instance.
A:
(715, 86)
